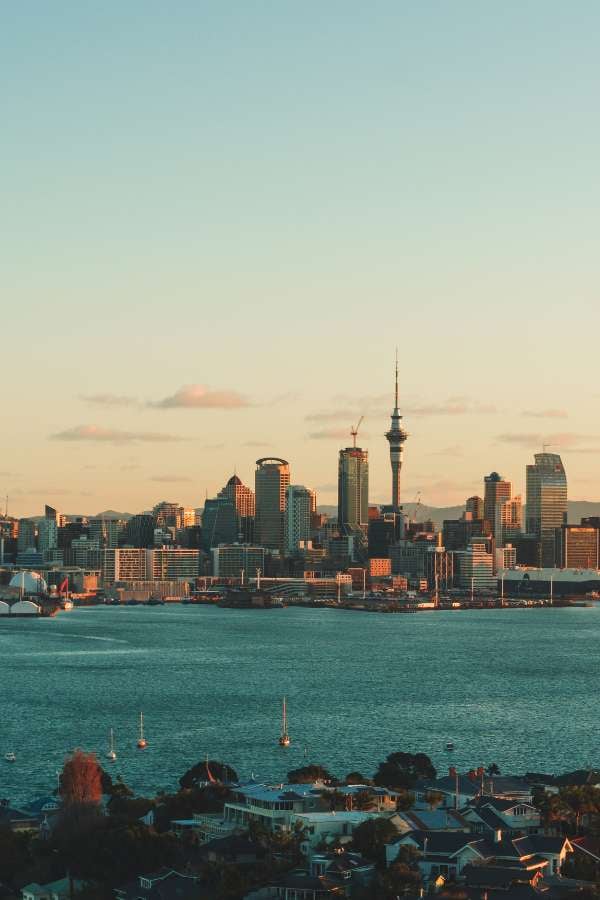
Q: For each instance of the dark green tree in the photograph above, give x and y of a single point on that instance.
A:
(403, 770)
(370, 837)
(308, 774)
(202, 772)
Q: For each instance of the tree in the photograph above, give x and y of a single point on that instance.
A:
(404, 801)
(403, 770)
(310, 773)
(81, 779)
(402, 877)
(208, 771)
(493, 769)
(370, 837)
(357, 778)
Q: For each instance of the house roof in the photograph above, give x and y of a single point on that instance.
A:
(496, 876)
(447, 843)
(589, 845)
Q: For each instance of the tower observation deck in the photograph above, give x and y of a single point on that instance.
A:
(396, 437)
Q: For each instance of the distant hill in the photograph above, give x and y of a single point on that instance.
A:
(577, 510)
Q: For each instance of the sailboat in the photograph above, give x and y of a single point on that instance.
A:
(112, 753)
(284, 740)
(142, 742)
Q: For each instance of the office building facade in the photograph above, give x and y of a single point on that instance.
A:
(353, 490)
(272, 478)
(546, 504)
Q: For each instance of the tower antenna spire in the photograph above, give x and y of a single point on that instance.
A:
(396, 385)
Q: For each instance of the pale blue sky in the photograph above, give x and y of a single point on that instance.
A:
(264, 198)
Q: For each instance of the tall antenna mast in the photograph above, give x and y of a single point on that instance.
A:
(396, 390)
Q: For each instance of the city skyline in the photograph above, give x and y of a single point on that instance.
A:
(179, 228)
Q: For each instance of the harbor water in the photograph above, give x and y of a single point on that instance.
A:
(517, 687)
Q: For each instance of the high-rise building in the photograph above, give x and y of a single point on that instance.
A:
(511, 519)
(244, 502)
(396, 436)
(139, 531)
(26, 538)
(106, 531)
(123, 564)
(172, 563)
(546, 503)
(298, 509)
(168, 515)
(230, 560)
(47, 535)
(353, 489)
(577, 547)
(475, 567)
(220, 523)
(497, 492)
(474, 506)
(272, 477)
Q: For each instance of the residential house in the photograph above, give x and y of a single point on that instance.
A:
(442, 819)
(343, 867)
(486, 815)
(299, 886)
(459, 790)
(56, 890)
(164, 885)
(321, 828)
(272, 806)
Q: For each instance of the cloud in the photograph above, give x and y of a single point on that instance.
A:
(255, 444)
(453, 407)
(168, 479)
(129, 467)
(213, 446)
(109, 399)
(326, 434)
(454, 450)
(562, 440)
(198, 396)
(546, 413)
(99, 433)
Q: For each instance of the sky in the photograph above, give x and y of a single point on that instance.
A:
(220, 219)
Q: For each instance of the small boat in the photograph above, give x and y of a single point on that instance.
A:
(142, 742)
(284, 739)
(112, 753)
(449, 746)
(10, 756)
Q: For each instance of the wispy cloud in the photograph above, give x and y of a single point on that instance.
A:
(454, 450)
(110, 399)
(255, 444)
(213, 446)
(452, 407)
(198, 396)
(546, 413)
(169, 479)
(559, 440)
(325, 434)
(100, 434)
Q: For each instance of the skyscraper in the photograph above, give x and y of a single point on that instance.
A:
(546, 503)
(353, 490)
(497, 492)
(244, 502)
(396, 437)
(297, 516)
(272, 477)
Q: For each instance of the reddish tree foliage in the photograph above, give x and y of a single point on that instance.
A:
(81, 779)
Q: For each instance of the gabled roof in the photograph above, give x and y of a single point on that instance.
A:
(496, 876)
(448, 843)
(589, 845)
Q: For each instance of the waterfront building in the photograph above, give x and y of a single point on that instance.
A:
(380, 568)
(168, 515)
(506, 557)
(220, 523)
(171, 563)
(123, 564)
(408, 558)
(474, 506)
(475, 567)
(230, 560)
(546, 503)
(272, 478)
(577, 547)
(353, 490)
(298, 510)
(27, 535)
(396, 437)
(497, 492)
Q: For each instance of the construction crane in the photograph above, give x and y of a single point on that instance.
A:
(354, 431)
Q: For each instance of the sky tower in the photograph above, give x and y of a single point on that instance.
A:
(396, 437)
